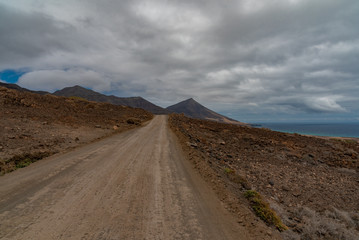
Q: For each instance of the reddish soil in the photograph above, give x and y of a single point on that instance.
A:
(35, 126)
(312, 183)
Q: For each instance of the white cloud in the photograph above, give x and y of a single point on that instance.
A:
(324, 104)
(51, 80)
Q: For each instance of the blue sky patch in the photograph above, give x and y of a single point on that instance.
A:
(10, 75)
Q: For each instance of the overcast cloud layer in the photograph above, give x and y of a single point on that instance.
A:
(253, 60)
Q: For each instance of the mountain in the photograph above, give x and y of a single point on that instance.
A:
(189, 107)
(193, 109)
(17, 87)
(136, 102)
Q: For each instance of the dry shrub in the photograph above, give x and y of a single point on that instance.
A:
(329, 225)
(262, 210)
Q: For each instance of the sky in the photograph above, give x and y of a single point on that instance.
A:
(255, 61)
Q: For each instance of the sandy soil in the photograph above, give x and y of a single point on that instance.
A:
(134, 185)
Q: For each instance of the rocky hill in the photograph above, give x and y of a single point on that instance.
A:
(310, 182)
(136, 102)
(193, 109)
(33, 126)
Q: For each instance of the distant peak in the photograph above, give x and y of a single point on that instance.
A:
(77, 86)
(190, 100)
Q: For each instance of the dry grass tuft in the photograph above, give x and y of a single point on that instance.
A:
(262, 210)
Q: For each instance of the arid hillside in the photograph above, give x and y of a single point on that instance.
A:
(34, 126)
(137, 102)
(311, 183)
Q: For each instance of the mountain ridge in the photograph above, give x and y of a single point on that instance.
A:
(137, 102)
(189, 107)
(17, 87)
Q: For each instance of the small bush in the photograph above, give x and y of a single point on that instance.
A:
(262, 210)
(350, 141)
(330, 224)
(133, 121)
(228, 170)
(21, 161)
(236, 178)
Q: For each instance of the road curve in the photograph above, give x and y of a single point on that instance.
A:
(134, 185)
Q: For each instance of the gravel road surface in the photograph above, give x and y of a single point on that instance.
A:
(134, 185)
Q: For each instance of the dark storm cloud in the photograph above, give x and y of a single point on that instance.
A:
(278, 56)
(28, 36)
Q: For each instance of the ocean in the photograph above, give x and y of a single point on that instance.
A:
(318, 129)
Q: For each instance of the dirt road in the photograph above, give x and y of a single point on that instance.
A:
(135, 185)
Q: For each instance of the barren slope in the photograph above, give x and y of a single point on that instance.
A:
(135, 185)
(312, 183)
(32, 125)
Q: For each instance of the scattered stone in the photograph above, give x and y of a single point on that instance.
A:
(285, 188)
(296, 193)
(194, 145)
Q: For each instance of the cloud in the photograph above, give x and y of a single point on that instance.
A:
(324, 104)
(52, 80)
(29, 36)
(241, 56)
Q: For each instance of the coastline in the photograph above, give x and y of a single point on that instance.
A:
(343, 131)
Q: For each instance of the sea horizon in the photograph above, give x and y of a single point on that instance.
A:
(339, 129)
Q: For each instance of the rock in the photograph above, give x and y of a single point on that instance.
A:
(296, 193)
(285, 188)
(97, 126)
(130, 121)
(194, 145)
